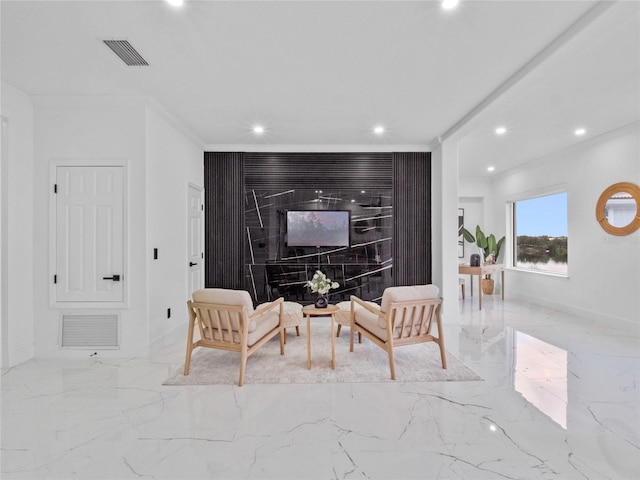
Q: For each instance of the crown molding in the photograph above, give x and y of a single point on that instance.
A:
(315, 148)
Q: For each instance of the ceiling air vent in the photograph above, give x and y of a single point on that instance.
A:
(126, 52)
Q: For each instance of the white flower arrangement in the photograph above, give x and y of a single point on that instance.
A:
(321, 284)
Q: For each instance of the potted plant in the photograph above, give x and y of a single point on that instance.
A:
(490, 252)
(321, 285)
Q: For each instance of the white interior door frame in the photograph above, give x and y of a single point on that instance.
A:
(195, 238)
(53, 168)
(4, 239)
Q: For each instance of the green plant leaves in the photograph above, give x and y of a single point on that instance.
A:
(488, 245)
(481, 240)
(468, 236)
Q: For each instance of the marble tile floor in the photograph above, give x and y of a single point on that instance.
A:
(559, 400)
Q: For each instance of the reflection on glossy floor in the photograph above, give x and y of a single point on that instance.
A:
(559, 400)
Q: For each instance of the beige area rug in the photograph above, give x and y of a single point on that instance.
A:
(367, 364)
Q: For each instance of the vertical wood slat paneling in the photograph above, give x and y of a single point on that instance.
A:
(368, 170)
(412, 218)
(224, 219)
(409, 174)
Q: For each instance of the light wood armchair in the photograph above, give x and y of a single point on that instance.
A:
(226, 321)
(407, 312)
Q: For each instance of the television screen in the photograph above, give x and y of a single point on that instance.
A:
(318, 228)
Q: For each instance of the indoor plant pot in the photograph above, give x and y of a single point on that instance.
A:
(487, 286)
(321, 284)
(321, 301)
(490, 249)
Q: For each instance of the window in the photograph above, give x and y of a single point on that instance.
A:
(540, 233)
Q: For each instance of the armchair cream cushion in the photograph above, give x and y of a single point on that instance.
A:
(225, 319)
(343, 317)
(405, 316)
(407, 294)
(221, 296)
(377, 324)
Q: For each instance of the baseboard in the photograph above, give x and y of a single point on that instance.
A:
(136, 350)
(19, 355)
(451, 318)
(177, 334)
(575, 310)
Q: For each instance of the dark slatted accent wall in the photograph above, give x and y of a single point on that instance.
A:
(318, 170)
(224, 219)
(228, 174)
(412, 218)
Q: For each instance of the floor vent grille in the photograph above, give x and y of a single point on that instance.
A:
(89, 331)
(126, 52)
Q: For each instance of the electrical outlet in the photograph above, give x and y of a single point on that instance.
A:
(168, 313)
(155, 253)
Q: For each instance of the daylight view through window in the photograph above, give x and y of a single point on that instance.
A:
(540, 231)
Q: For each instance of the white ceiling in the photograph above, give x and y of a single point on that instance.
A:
(322, 74)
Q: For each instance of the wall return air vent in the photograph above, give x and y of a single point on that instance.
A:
(89, 331)
(126, 52)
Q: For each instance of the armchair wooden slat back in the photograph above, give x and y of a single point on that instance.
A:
(217, 323)
(404, 323)
(411, 319)
(231, 328)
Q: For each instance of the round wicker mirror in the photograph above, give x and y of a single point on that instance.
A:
(618, 211)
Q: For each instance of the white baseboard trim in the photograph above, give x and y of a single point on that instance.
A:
(19, 355)
(575, 310)
(136, 350)
(177, 334)
(451, 318)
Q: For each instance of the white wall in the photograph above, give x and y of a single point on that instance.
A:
(444, 229)
(604, 278)
(17, 227)
(173, 161)
(160, 161)
(91, 130)
(473, 191)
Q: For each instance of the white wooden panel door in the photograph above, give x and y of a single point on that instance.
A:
(195, 239)
(89, 234)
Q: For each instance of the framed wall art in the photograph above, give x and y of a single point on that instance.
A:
(460, 235)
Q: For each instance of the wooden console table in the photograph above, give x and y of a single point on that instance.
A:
(480, 272)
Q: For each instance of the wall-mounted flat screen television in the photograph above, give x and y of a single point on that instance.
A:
(318, 228)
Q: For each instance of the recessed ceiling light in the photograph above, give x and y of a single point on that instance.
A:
(501, 130)
(379, 130)
(449, 4)
(580, 131)
(175, 3)
(258, 129)
(491, 169)
(363, 191)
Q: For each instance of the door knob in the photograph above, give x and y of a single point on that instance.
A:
(191, 264)
(115, 278)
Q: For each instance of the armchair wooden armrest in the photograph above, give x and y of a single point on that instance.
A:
(222, 317)
(367, 305)
(408, 318)
(267, 307)
(373, 308)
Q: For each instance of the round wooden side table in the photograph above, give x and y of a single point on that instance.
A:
(311, 311)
